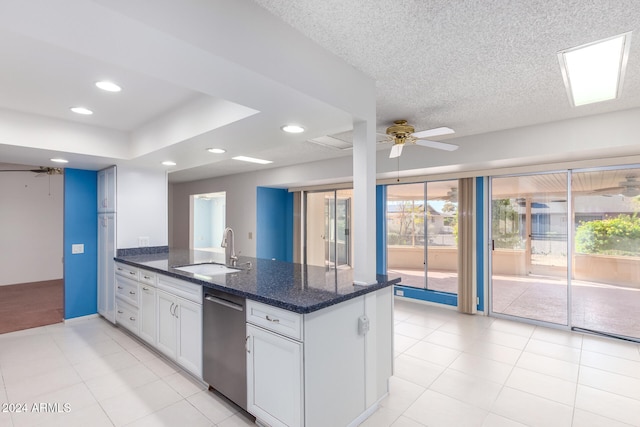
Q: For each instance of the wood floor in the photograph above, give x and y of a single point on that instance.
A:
(28, 305)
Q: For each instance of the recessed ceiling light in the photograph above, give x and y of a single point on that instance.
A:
(81, 110)
(169, 163)
(108, 86)
(252, 160)
(292, 128)
(216, 150)
(594, 72)
(58, 160)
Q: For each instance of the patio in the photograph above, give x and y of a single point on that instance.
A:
(595, 306)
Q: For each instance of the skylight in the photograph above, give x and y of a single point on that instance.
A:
(594, 72)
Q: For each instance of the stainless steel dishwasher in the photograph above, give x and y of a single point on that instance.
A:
(224, 363)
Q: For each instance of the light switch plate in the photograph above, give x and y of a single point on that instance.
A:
(77, 248)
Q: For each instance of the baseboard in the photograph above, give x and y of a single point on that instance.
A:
(367, 413)
(81, 318)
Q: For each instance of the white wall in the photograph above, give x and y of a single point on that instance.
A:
(31, 226)
(142, 207)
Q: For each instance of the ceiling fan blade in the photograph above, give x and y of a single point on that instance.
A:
(438, 145)
(433, 132)
(396, 150)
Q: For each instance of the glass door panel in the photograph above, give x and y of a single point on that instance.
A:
(442, 231)
(606, 266)
(318, 233)
(343, 228)
(405, 233)
(529, 247)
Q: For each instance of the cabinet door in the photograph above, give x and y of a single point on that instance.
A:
(189, 351)
(106, 252)
(166, 324)
(274, 378)
(107, 190)
(147, 313)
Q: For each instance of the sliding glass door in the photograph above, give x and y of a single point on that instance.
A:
(566, 249)
(529, 247)
(422, 245)
(606, 263)
(328, 228)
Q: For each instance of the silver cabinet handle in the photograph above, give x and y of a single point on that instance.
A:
(246, 344)
(132, 318)
(120, 312)
(119, 287)
(132, 293)
(133, 273)
(171, 308)
(119, 269)
(175, 311)
(147, 277)
(271, 319)
(145, 289)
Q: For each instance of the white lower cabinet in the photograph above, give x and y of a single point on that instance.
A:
(179, 330)
(147, 313)
(274, 372)
(163, 311)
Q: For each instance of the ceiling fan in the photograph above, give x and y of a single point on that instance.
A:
(401, 133)
(41, 171)
(630, 187)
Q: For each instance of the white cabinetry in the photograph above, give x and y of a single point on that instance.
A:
(310, 370)
(163, 311)
(107, 190)
(106, 252)
(126, 297)
(179, 322)
(274, 373)
(147, 314)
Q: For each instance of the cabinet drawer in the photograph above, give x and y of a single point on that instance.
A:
(127, 315)
(186, 290)
(147, 277)
(127, 271)
(275, 319)
(127, 290)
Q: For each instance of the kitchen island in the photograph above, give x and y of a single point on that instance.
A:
(318, 348)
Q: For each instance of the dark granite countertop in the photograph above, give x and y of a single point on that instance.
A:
(294, 287)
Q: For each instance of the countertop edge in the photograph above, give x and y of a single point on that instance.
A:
(364, 289)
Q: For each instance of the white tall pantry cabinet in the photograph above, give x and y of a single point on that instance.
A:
(106, 242)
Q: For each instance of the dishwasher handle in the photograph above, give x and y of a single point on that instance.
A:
(224, 302)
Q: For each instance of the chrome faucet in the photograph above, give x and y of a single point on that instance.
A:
(230, 247)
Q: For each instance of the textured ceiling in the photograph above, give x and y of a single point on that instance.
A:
(476, 66)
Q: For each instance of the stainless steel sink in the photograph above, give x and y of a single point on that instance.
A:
(207, 269)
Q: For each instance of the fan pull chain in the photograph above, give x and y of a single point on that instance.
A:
(398, 160)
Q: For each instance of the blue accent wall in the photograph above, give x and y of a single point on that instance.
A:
(80, 226)
(480, 241)
(381, 229)
(274, 224)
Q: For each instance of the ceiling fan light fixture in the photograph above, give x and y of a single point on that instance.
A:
(594, 72)
(292, 128)
(59, 160)
(108, 86)
(81, 110)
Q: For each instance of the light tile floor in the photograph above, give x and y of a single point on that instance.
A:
(104, 377)
(456, 370)
(450, 370)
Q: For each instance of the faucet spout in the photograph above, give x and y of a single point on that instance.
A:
(228, 242)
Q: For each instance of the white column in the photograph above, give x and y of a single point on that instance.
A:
(364, 203)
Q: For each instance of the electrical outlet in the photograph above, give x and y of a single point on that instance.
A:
(143, 242)
(250, 235)
(77, 248)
